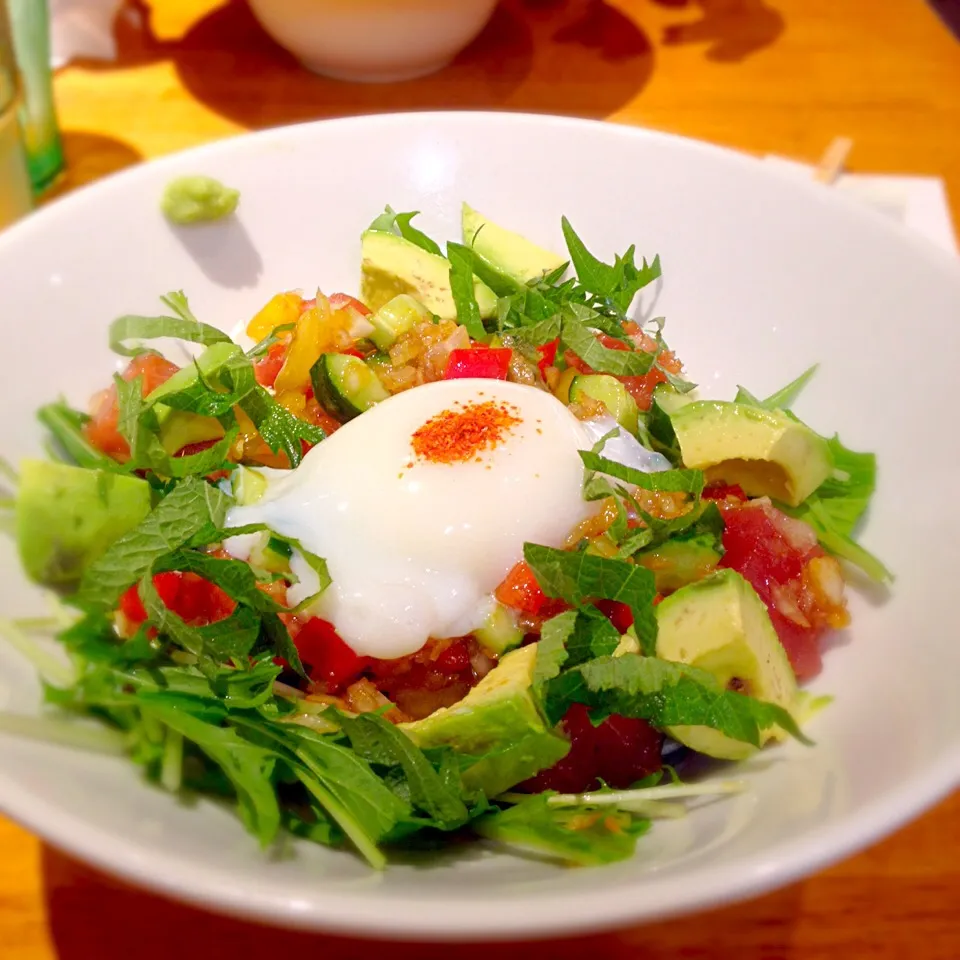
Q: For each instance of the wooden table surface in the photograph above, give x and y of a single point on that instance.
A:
(780, 76)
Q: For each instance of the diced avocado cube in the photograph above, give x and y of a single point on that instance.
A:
(181, 428)
(720, 625)
(392, 265)
(213, 358)
(675, 563)
(766, 452)
(498, 724)
(67, 517)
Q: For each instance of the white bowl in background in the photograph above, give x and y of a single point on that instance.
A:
(762, 277)
(373, 41)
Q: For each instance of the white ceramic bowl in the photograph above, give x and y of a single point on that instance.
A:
(374, 41)
(763, 276)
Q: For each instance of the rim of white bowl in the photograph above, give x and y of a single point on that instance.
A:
(591, 908)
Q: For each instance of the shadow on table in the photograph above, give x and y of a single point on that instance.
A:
(582, 58)
(95, 917)
(732, 29)
(88, 157)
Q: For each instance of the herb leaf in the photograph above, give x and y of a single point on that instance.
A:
(783, 398)
(191, 511)
(279, 428)
(675, 481)
(392, 222)
(66, 426)
(835, 509)
(248, 767)
(621, 363)
(619, 283)
(224, 640)
(378, 741)
(182, 327)
(464, 295)
(575, 576)
(576, 835)
(665, 694)
(570, 639)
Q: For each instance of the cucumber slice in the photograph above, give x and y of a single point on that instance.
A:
(395, 318)
(345, 385)
(611, 393)
(670, 400)
(500, 632)
(274, 556)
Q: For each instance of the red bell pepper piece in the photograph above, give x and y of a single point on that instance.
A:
(327, 658)
(488, 363)
(548, 354)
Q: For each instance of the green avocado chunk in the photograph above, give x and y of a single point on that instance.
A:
(196, 199)
(392, 265)
(507, 252)
(720, 625)
(67, 516)
(675, 563)
(766, 452)
(497, 726)
(180, 428)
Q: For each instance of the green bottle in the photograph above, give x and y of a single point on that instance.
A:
(30, 23)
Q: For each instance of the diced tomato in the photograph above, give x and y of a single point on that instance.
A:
(520, 590)
(327, 659)
(619, 614)
(132, 607)
(168, 586)
(315, 414)
(761, 544)
(640, 388)
(619, 751)
(548, 354)
(611, 343)
(454, 659)
(489, 363)
(438, 675)
(340, 300)
(802, 644)
(724, 491)
(195, 600)
(102, 431)
(759, 551)
(268, 366)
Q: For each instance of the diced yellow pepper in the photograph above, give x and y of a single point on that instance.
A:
(318, 331)
(293, 401)
(309, 341)
(282, 309)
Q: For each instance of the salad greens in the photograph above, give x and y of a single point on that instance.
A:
(202, 707)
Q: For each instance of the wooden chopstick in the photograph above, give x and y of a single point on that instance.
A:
(832, 162)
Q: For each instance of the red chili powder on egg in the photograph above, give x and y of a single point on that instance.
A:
(455, 436)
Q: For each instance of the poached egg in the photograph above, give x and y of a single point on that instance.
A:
(417, 537)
